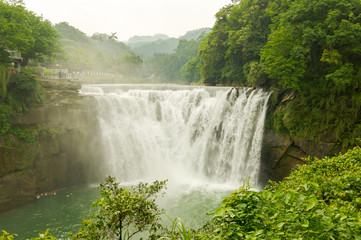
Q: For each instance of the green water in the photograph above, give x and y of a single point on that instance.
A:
(63, 212)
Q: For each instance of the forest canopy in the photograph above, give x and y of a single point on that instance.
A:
(311, 49)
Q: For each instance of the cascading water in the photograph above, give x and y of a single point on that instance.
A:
(184, 134)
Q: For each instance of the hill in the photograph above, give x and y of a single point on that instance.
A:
(147, 46)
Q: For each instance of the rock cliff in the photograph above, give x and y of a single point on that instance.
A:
(281, 154)
(65, 151)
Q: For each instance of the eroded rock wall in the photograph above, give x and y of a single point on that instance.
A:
(66, 150)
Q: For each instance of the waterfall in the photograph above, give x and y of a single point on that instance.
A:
(181, 133)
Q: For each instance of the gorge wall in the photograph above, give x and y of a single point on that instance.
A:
(62, 153)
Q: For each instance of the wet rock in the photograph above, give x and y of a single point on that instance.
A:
(285, 167)
(313, 148)
(16, 188)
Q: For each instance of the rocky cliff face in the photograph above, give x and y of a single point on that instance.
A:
(281, 154)
(65, 152)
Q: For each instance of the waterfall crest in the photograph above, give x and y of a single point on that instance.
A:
(182, 133)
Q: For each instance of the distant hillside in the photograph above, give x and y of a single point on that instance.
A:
(195, 34)
(138, 41)
(100, 52)
(162, 44)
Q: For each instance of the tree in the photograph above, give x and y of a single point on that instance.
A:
(23, 31)
(45, 45)
(113, 36)
(284, 58)
(131, 64)
(171, 67)
(14, 31)
(240, 32)
(123, 212)
(212, 49)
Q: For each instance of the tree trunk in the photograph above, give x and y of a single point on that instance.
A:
(24, 62)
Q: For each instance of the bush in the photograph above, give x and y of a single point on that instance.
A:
(123, 212)
(24, 90)
(7, 114)
(319, 201)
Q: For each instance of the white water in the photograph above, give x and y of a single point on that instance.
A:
(189, 135)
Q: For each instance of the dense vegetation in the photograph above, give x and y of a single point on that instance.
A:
(25, 32)
(309, 50)
(172, 60)
(321, 200)
(162, 46)
(22, 31)
(175, 67)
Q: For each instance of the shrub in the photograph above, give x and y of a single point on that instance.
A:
(319, 201)
(24, 90)
(123, 212)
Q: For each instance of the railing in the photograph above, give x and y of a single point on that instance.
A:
(13, 70)
(14, 54)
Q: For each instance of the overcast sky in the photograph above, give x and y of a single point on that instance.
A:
(130, 17)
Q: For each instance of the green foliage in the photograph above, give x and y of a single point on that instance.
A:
(309, 47)
(46, 45)
(321, 200)
(6, 235)
(71, 33)
(4, 79)
(123, 212)
(131, 65)
(46, 235)
(161, 46)
(23, 31)
(148, 46)
(27, 33)
(100, 52)
(14, 30)
(178, 231)
(191, 70)
(180, 66)
(7, 116)
(24, 90)
(195, 34)
(236, 40)
(41, 130)
(325, 68)
(284, 61)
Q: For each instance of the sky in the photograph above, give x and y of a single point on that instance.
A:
(130, 17)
